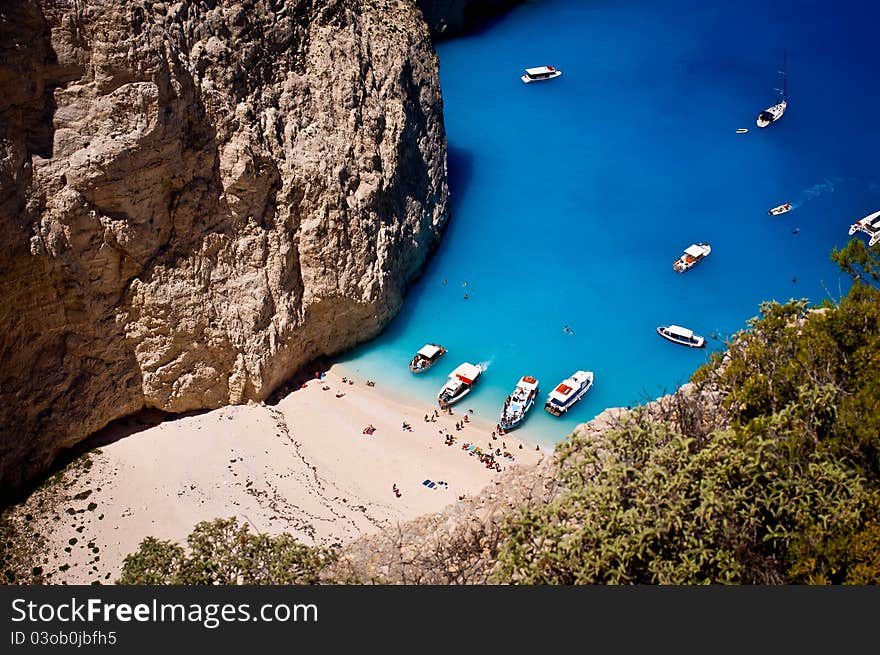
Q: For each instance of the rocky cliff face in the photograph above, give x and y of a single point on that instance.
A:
(197, 198)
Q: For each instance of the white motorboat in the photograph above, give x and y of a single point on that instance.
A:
(568, 392)
(741, 130)
(426, 357)
(459, 384)
(540, 73)
(869, 225)
(692, 255)
(681, 335)
(776, 211)
(518, 404)
(774, 113)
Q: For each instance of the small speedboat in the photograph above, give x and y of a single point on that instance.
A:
(681, 335)
(518, 404)
(869, 225)
(568, 392)
(540, 73)
(426, 357)
(776, 211)
(459, 384)
(741, 130)
(692, 255)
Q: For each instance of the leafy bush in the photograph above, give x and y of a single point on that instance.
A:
(226, 553)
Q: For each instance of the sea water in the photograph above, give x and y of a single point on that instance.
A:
(571, 198)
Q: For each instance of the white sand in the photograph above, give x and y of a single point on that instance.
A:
(303, 466)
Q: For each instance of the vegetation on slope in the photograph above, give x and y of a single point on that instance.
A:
(223, 552)
(782, 485)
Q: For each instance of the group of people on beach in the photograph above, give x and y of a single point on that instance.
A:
(487, 459)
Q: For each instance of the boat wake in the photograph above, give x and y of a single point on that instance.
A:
(817, 190)
(485, 365)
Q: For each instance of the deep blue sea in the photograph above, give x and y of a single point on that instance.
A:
(572, 197)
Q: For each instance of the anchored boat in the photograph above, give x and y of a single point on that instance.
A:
(774, 113)
(518, 404)
(869, 225)
(426, 357)
(540, 73)
(459, 384)
(681, 335)
(776, 211)
(692, 255)
(568, 392)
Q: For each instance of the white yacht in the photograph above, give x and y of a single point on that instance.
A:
(426, 357)
(692, 255)
(540, 73)
(680, 335)
(776, 211)
(869, 225)
(459, 384)
(568, 392)
(518, 404)
(774, 113)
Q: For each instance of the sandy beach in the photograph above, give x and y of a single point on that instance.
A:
(303, 466)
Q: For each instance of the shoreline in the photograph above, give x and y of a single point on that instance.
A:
(544, 438)
(303, 465)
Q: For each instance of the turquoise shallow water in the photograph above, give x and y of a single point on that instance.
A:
(572, 197)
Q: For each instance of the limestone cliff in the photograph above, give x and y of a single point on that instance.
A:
(197, 198)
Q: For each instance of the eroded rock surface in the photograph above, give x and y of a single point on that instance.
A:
(197, 198)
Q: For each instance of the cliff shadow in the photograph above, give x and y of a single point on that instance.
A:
(451, 19)
(314, 369)
(459, 173)
(116, 430)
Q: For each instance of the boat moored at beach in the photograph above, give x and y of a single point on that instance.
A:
(518, 404)
(692, 255)
(568, 392)
(426, 357)
(681, 335)
(540, 73)
(776, 211)
(459, 384)
(869, 225)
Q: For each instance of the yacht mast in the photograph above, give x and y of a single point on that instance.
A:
(784, 76)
